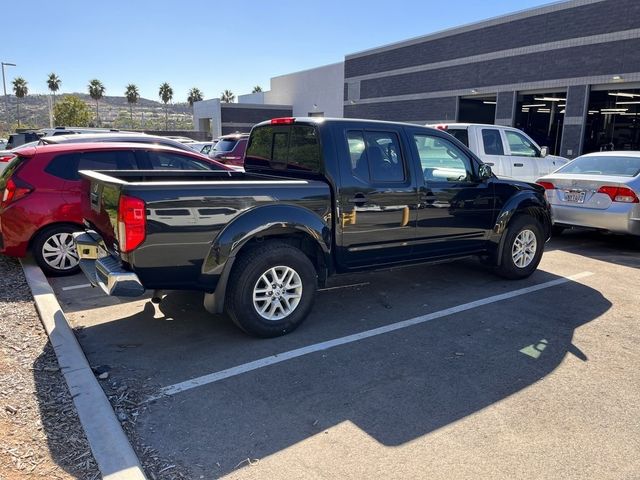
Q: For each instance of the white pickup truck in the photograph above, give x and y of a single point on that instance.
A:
(508, 151)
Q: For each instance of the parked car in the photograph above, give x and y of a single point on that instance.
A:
(508, 151)
(40, 206)
(230, 149)
(319, 197)
(597, 190)
(202, 147)
(7, 155)
(18, 139)
(117, 137)
(52, 132)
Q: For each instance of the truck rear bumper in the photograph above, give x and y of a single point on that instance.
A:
(104, 270)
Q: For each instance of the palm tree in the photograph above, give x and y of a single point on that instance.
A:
(166, 94)
(195, 95)
(21, 90)
(96, 91)
(132, 95)
(53, 82)
(227, 96)
(256, 89)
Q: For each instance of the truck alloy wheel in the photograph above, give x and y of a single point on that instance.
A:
(277, 292)
(271, 289)
(523, 245)
(524, 248)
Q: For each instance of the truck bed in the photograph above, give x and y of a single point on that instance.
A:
(186, 211)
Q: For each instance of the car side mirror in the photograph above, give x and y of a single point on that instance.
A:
(485, 172)
(544, 151)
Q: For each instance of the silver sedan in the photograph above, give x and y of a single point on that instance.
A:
(597, 190)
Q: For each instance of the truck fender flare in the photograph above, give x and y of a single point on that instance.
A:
(269, 220)
(525, 202)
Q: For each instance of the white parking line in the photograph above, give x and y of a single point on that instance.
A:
(299, 352)
(76, 287)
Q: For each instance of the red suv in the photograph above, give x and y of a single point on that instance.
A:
(40, 205)
(230, 149)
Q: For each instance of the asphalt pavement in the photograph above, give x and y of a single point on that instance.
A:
(443, 371)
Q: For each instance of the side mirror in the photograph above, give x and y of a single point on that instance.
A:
(544, 151)
(485, 171)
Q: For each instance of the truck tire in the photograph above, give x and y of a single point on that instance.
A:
(523, 247)
(54, 251)
(271, 289)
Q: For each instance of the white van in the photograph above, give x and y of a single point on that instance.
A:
(508, 151)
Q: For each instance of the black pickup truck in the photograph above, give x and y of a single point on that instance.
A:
(318, 197)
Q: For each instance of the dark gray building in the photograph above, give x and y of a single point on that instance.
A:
(567, 73)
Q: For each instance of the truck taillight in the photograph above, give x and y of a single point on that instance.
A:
(132, 222)
(14, 190)
(619, 194)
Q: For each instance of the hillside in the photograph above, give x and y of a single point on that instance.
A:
(114, 112)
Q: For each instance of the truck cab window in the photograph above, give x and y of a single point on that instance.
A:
(376, 156)
(492, 141)
(520, 145)
(441, 160)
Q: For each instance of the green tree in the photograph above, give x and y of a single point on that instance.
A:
(71, 110)
(96, 91)
(21, 90)
(53, 82)
(166, 95)
(132, 95)
(256, 89)
(227, 96)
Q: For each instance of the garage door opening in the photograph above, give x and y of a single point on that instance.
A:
(613, 120)
(477, 109)
(541, 116)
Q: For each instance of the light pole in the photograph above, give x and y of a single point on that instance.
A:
(4, 86)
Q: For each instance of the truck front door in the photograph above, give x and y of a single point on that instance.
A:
(377, 198)
(457, 209)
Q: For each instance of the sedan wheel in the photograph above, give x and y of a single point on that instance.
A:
(55, 252)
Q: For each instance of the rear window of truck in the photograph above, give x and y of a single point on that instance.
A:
(461, 134)
(284, 147)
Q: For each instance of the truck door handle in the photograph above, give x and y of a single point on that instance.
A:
(358, 199)
(518, 164)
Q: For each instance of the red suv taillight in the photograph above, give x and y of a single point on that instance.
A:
(619, 194)
(132, 221)
(15, 189)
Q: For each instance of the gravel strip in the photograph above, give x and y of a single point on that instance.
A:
(40, 433)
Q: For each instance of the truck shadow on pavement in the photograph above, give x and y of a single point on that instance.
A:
(396, 387)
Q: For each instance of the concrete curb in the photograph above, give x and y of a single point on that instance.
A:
(109, 444)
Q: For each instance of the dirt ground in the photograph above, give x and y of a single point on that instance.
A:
(40, 434)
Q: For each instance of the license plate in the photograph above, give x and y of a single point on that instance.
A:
(574, 197)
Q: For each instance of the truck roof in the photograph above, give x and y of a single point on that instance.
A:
(321, 120)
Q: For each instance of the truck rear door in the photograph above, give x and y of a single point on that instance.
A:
(377, 198)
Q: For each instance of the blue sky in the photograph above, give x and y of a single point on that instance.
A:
(210, 45)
